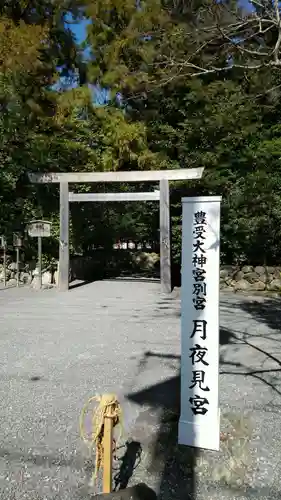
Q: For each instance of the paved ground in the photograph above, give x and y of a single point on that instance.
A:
(57, 349)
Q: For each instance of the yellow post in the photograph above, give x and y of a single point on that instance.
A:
(106, 416)
(107, 451)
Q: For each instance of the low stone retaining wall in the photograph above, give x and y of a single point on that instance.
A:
(27, 274)
(251, 278)
(116, 261)
(25, 277)
(244, 278)
(91, 267)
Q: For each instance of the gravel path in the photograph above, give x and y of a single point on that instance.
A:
(58, 349)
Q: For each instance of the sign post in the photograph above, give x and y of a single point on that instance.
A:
(4, 247)
(17, 243)
(40, 260)
(199, 424)
(39, 229)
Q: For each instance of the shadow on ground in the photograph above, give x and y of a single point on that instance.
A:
(265, 311)
(175, 464)
(268, 313)
(77, 283)
(104, 264)
(127, 463)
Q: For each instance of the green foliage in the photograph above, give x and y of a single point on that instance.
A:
(44, 130)
(227, 123)
(230, 124)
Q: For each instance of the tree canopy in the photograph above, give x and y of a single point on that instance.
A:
(189, 86)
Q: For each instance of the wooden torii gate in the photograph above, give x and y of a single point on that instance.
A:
(162, 176)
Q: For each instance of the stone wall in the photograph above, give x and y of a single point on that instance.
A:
(85, 268)
(245, 278)
(101, 262)
(25, 277)
(251, 278)
(28, 274)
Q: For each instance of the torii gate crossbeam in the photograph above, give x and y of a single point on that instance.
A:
(163, 176)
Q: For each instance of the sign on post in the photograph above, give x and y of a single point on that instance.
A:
(39, 229)
(199, 424)
(4, 248)
(17, 243)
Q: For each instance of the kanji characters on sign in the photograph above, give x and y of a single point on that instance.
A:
(199, 424)
(198, 405)
(199, 292)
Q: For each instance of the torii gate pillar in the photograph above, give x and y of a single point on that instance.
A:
(162, 176)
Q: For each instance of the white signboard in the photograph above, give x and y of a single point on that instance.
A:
(39, 228)
(199, 424)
